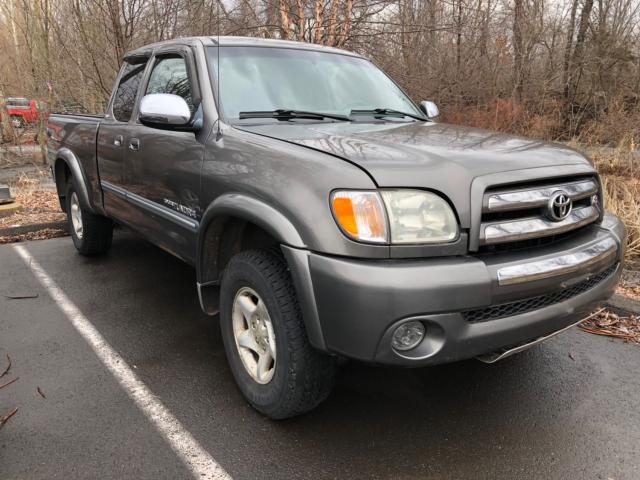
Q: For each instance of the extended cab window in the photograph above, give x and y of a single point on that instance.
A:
(170, 75)
(125, 98)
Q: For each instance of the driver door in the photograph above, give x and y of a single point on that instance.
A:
(162, 166)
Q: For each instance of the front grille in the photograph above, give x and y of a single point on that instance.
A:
(534, 303)
(526, 212)
(525, 244)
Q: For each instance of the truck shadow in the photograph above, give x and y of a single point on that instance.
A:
(450, 420)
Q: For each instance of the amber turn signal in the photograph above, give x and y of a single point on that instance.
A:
(360, 215)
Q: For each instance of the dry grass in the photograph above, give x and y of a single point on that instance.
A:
(546, 119)
(506, 115)
(619, 168)
(618, 124)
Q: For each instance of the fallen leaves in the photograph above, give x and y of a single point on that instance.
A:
(611, 324)
(39, 235)
(38, 206)
(629, 291)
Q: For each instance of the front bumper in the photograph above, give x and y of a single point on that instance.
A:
(351, 307)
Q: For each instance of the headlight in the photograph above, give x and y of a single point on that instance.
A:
(419, 217)
(402, 217)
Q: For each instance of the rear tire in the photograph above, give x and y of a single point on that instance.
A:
(92, 234)
(258, 302)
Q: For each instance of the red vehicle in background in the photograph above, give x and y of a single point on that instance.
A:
(22, 111)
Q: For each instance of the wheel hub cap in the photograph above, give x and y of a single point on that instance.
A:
(76, 216)
(254, 337)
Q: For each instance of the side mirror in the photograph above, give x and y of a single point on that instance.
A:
(429, 108)
(164, 110)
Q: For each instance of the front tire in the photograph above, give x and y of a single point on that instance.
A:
(92, 234)
(275, 367)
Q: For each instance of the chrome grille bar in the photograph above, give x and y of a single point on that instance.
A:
(536, 197)
(535, 227)
(604, 250)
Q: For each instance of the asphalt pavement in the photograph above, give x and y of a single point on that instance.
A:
(567, 409)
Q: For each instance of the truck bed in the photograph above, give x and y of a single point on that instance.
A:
(76, 134)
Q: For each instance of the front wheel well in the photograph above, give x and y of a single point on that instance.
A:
(227, 236)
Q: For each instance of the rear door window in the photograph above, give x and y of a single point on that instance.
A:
(125, 98)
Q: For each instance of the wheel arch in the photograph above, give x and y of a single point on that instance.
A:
(235, 211)
(246, 222)
(68, 166)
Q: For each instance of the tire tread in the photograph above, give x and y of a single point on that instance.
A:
(97, 230)
(311, 373)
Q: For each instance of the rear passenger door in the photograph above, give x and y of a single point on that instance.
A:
(112, 133)
(162, 166)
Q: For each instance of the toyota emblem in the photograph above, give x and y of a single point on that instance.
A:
(559, 206)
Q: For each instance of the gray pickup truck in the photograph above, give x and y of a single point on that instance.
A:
(328, 216)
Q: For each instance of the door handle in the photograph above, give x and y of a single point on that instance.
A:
(134, 144)
(117, 141)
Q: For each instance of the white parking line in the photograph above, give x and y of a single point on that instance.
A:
(196, 459)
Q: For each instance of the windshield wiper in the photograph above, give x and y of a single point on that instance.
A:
(286, 114)
(387, 112)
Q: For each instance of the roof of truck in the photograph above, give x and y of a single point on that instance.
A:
(236, 41)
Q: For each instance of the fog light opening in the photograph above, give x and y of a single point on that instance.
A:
(407, 336)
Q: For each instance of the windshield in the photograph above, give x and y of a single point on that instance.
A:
(266, 79)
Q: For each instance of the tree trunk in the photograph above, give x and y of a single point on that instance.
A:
(333, 23)
(518, 57)
(285, 22)
(319, 29)
(346, 25)
(566, 67)
(458, 38)
(574, 67)
(578, 51)
(301, 21)
(8, 134)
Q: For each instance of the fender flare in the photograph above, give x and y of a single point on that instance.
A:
(252, 210)
(70, 159)
(294, 249)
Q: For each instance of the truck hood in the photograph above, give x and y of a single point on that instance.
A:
(430, 155)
